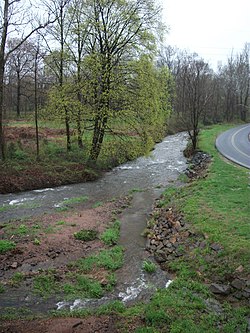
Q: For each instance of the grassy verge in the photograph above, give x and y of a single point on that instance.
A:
(216, 206)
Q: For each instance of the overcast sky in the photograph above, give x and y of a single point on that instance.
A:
(211, 28)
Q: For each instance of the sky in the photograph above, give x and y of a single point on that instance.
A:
(212, 28)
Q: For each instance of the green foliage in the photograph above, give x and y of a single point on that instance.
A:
(111, 235)
(6, 246)
(148, 266)
(86, 235)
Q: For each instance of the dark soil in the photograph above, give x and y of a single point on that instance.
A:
(62, 325)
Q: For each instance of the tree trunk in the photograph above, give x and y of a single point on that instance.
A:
(18, 95)
(99, 131)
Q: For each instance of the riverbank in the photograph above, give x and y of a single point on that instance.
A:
(24, 170)
(214, 210)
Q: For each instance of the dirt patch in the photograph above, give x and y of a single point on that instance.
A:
(49, 242)
(63, 325)
(24, 133)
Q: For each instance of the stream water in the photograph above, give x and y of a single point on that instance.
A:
(152, 174)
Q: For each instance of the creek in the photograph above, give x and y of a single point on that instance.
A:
(151, 175)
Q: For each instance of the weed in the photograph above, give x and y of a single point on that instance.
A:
(16, 279)
(148, 266)
(97, 204)
(86, 235)
(111, 235)
(136, 190)
(36, 241)
(6, 245)
(60, 223)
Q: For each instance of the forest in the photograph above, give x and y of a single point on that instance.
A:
(101, 75)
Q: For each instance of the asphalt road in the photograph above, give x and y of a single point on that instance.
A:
(234, 144)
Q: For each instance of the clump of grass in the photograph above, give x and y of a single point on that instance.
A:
(75, 200)
(111, 235)
(16, 279)
(6, 245)
(60, 222)
(86, 235)
(110, 259)
(36, 241)
(83, 287)
(44, 284)
(97, 204)
(148, 266)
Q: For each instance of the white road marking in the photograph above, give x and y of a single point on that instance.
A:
(234, 145)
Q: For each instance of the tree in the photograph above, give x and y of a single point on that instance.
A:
(59, 33)
(20, 64)
(12, 14)
(118, 32)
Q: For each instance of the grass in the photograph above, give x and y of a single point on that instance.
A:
(76, 200)
(6, 245)
(86, 235)
(217, 206)
(17, 279)
(111, 235)
(148, 266)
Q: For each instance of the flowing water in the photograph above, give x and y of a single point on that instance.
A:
(150, 174)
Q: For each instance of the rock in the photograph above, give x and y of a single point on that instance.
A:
(238, 295)
(14, 265)
(216, 247)
(239, 269)
(177, 225)
(160, 246)
(238, 284)
(203, 245)
(220, 289)
(160, 256)
(246, 293)
(172, 240)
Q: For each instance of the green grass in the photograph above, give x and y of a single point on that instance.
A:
(111, 235)
(17, 279)
(76, 200)
(217, 206)
(86, 235)
(110, 259)
(6, 246)
(148, 266)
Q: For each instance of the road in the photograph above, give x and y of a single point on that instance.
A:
(234, 144)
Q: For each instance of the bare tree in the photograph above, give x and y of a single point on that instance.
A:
(13, 17)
